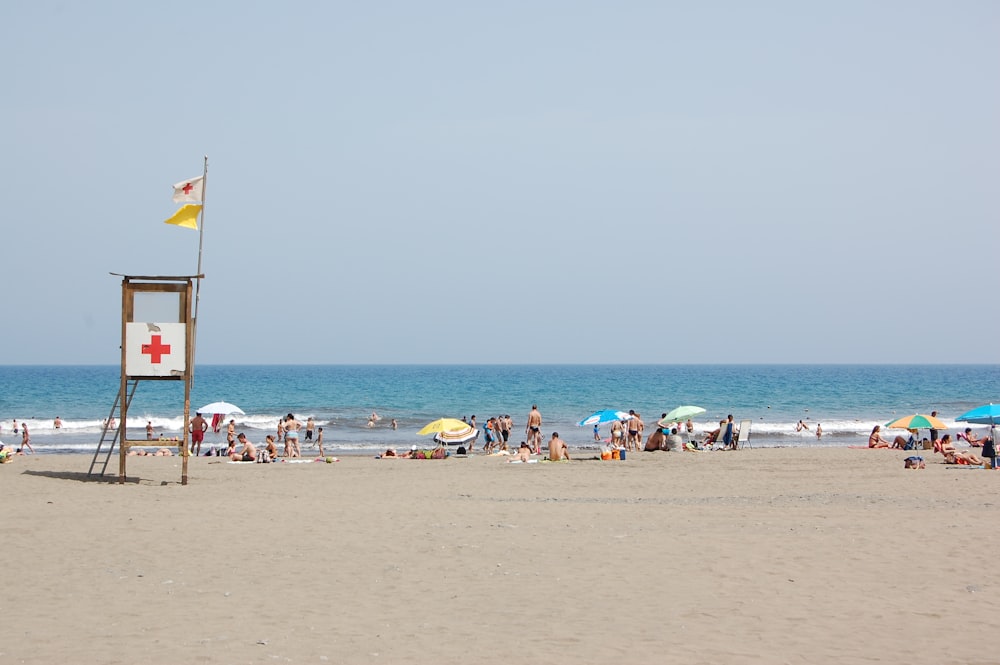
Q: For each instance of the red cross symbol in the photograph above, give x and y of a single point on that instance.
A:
(156, 349)
(187, 190)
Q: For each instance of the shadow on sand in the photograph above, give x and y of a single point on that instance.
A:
(80, 477)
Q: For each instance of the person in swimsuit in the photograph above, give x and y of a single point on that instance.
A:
(198, 427)
(633, 440)
(971, 438)
(523, 453)
(25, 439)
(292, 427)
(875, 439)
(952, 456)
(272, 449)
(310, 426)
(617, 427)
(558, 450)
(247, 454)
(534, 429)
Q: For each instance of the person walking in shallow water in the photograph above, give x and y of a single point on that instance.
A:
(25, 439)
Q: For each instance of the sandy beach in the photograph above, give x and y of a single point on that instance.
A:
(757, 556)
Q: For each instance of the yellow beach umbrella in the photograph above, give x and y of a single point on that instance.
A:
(443, 425)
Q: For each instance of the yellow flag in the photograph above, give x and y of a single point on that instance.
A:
(187, 217)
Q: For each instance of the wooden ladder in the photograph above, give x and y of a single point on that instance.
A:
(114, 434)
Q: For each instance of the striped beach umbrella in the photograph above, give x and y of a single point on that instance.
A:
(916, 421)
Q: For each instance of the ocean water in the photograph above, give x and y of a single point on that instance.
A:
(848, 400)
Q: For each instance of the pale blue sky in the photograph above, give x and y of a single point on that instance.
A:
(526, 182)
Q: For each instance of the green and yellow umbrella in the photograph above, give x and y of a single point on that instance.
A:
(916, 421)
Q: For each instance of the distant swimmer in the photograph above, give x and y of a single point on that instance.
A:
(57, 423)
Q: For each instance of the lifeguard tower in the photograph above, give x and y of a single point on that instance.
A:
(158, 336)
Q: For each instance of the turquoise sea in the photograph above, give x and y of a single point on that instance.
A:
(846, 399)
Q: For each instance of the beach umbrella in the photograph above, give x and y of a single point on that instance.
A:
(916, 421)
(679, 414)
(457, 437)
(605, 416)
(444, 425)
(987, 414)
(221, 408)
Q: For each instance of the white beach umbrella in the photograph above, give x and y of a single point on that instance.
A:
(221, 408)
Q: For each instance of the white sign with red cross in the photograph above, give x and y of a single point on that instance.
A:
(155, 349)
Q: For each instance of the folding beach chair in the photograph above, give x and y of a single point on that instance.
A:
(743, 436)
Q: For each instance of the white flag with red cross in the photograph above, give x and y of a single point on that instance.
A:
(155, 349)
(190, 191)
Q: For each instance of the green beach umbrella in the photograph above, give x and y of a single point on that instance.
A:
(680, 413)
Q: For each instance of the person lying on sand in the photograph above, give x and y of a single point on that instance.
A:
(523, 453)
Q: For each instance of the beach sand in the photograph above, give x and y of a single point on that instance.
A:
(757, 556)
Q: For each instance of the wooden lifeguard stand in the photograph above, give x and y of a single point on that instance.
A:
(158, 335)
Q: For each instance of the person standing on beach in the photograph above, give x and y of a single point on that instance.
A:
(310, 426)
(934, 432)
(198, 427)
(534, 429)
(319, 442)
(14, 422)
(727, 435)
(149, 430)
(25, 439)
(292, 427)
(633, 439)
(281, 432)
(231, 432)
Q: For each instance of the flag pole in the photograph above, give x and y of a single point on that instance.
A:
(201, 240)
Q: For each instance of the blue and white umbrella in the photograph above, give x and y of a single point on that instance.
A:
(605, 416)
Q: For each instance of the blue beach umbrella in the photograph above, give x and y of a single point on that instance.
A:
(988, 414)
(605, 416)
